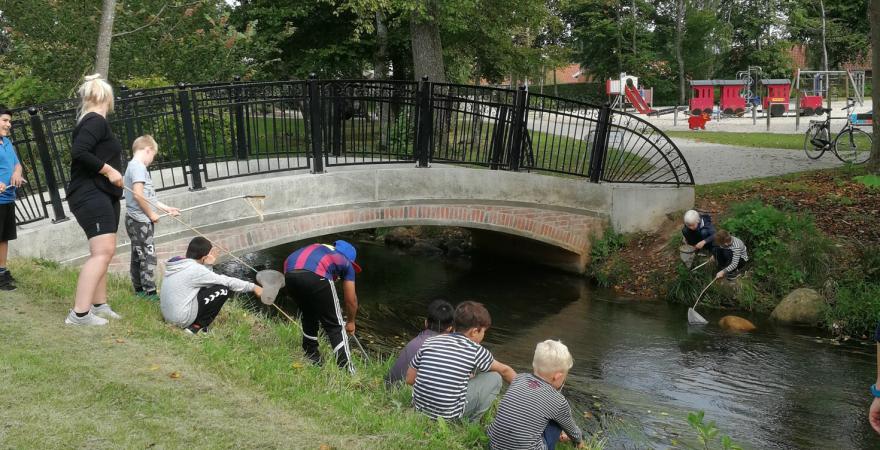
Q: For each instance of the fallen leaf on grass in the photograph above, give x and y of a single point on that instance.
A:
(324, 447)
(588, 415)
(120, 341)
(154, 367)
(174, 375)
(297, 365)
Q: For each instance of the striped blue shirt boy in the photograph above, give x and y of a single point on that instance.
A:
(445, 364)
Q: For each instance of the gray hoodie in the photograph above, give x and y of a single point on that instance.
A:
(180, 286)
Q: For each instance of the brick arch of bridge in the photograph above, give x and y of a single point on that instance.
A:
(564, 230)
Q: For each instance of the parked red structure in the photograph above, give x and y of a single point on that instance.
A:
(702, 97)
(778, 93)
(732, 99)
(811, 104)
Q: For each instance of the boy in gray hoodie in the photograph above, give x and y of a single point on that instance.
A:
(192, 294)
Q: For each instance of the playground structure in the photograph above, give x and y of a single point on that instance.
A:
(626, 90)
(739, 95)
(733, 99)
(811, 99)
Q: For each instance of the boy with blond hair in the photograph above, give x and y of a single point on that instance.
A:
(533, 413)
(140, 219)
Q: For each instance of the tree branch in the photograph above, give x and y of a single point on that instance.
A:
(153, 22)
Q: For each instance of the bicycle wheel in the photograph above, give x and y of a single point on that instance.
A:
(852, 145)
(815, 141)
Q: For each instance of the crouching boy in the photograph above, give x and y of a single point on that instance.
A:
(192, 294)
(533, 413)
(731, 255)
(453, 376)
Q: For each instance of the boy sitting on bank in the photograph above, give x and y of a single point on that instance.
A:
(731, 255)
(140, 219)
(442, 372)
(192, 294)
(533, 413)
(439, 321)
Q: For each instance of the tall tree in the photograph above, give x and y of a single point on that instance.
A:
(874, 162)
(105, 37)
(427, 47)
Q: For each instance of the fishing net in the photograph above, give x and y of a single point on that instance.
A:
(687, 253)
(694, 318)
(256, 202)
(272, 281)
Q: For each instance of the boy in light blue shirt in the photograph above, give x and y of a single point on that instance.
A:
(140, 219)
(10, 180)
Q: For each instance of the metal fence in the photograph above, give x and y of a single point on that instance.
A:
(217, 131)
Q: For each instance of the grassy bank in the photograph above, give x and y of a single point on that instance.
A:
(751, 139)
(813, 229)
(139, 383)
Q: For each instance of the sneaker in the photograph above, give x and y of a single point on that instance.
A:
(7, 276)
(148, 295)
(195, 329)
(105, 312)
(7, 285)
(87, 320)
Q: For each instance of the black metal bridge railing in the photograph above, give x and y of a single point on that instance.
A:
(216, 131)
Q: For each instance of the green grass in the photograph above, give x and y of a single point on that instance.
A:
(246, 385)
(751, 139)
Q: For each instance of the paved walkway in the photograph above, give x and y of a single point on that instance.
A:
(713, 163)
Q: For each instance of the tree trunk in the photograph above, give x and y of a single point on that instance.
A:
(680, 10)
(875, 82)
(824, 46)
(426, 46)
(105, 35)
(634, 25)
(380, 72)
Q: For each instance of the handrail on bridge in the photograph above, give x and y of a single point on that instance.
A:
(208, 132)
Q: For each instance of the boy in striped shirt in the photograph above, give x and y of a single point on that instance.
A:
(533, 413)
(452, 375)
(730, 254)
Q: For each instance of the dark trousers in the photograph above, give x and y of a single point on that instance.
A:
(551, 434)
(319, 307)
(211, 299)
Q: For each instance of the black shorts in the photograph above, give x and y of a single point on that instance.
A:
(96, 211)
(7, 222)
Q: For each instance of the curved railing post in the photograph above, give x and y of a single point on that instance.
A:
(600, 143)
(424, 123)
(46, 162)
(315, 124)
(192, 150)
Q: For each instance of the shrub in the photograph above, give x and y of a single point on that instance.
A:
(856, 309)
(607, 268)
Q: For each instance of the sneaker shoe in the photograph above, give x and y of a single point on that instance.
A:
(87, 320)
(7, 276)
(7, 285)
(105, 312)
(148, 295)
(194, 329)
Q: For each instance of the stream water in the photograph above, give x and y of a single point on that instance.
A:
(639, 367)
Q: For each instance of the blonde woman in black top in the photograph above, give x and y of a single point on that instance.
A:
(94, 195)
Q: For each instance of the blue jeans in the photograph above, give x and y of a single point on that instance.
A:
(551, 434)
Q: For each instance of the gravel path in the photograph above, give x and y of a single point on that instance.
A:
(713, 163)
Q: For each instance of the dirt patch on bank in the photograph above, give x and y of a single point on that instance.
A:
(844, 209)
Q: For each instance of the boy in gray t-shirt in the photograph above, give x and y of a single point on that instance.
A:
(140, 217)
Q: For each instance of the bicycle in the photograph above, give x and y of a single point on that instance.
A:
(851, 145)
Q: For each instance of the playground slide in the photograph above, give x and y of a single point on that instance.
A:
(632, 94)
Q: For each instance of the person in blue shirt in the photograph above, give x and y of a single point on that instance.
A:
(10, 180)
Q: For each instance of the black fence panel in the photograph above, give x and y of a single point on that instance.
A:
(638, 152)
(472, 124)
(30, 204)
(368, 121)
(251, 128)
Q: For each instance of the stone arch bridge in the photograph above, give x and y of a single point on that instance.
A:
(558, 213)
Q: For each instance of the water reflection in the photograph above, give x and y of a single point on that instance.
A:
(778, 387)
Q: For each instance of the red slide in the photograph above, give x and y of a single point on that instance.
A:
(632, 94)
